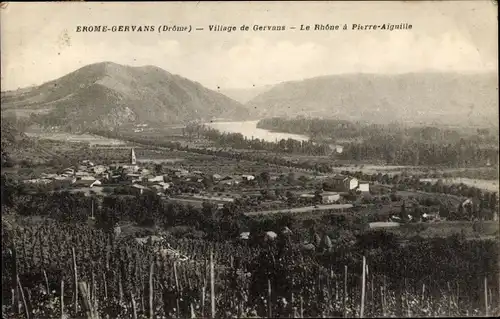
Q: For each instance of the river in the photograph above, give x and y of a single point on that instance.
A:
(249, 130)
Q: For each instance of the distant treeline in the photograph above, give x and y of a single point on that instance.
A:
(238, 141)
(396, 145)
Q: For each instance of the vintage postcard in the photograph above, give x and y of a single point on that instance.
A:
(250, 159)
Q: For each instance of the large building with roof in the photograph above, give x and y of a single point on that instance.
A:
(343, 183)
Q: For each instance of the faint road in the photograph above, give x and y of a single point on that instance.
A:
(301, 209)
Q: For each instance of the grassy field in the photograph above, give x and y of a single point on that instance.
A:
(483, 229)
(76, 138)
(489, 185)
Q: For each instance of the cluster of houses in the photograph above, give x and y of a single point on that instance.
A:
(341, 185)
(85, 175)
(139, 179)
(232, 179)
(89, 175)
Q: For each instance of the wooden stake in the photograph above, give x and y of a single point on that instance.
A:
(344, 302)
(372, 298)
(62, 299)
(120, 290)
(151, 310)
(15, 289)
(93, 288)
(177, 289)
(382, 300)
(450, 296)
(193, 315)
(212, 285)
(423, 292)
(269, 302)
(46, 283)
(176, 278)
(134, 308)
(336, 290)
(105, 285)
(87, 307)
(203, 288)
(486, 296)
(301, 307)
(363, 284)
(75, 272)
(26, 311)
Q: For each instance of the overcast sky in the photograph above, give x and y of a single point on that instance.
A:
(39, 41)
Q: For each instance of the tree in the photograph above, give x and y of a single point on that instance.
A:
(317, 197)
(493, 201)
(265, 177)
(291, 198)
(417, 212)
(158, 169)
(403, 214)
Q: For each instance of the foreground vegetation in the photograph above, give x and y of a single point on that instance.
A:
(304, 272)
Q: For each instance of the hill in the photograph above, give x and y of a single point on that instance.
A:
(16, 146)
(443, 98)
(107, 94)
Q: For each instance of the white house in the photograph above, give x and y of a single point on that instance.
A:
(45, 175)
(344, 183)
(99, 169)
(307, 196)
(329, 197)
(248, 177)
(81, 174)
(139, 189)
(155, 179)
(245, 235)
(165, 185)
(88, 178)
(364, 187)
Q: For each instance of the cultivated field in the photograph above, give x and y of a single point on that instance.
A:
(76, 138)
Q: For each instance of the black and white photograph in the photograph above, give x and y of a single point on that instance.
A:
(250, 159)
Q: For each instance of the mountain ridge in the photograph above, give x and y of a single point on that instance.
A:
(107, 94)
(425, 97)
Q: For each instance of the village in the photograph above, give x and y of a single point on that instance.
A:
(195, 187)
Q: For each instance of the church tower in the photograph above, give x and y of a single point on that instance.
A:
(133, 159)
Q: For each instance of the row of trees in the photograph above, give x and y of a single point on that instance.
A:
(332, 129)
(393, 152)
(291, 146)
(397, 145)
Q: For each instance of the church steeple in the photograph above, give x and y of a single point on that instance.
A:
(133, 159)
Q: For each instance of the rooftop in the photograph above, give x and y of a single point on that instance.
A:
(339, 177)
(139, 186)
